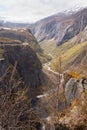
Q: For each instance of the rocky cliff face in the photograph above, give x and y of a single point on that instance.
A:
(74, 88)
(79, 22)
(61, 27)
(21, 46)
(48, 28)
(28, 65)
(81, 37)
(21, 36)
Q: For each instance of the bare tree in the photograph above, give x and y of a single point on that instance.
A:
(15, 106)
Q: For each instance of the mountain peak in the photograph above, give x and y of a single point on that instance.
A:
(72, 10)
(61, 26)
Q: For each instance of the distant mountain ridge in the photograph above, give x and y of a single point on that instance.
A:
(61, 26)
(5, 23)
(67, 29)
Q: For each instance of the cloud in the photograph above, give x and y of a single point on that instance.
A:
(33, 10)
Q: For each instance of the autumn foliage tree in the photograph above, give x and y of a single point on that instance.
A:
(76, 75)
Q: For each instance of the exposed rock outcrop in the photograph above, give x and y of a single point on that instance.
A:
(74, 88)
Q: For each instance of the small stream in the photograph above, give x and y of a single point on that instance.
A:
(47, 125)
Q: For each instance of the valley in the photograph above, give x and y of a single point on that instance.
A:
(64, 37)
(43, 73)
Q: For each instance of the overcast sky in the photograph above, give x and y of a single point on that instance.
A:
(33, 10)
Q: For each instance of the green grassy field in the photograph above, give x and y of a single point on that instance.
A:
(67, 51)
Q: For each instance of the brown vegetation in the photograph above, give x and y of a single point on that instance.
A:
(15, 105)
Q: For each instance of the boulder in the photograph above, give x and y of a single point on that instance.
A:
(73, 89)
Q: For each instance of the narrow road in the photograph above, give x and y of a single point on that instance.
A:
(15, 44)
(47, 66)
(48, 120)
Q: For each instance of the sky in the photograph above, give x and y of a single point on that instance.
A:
(34, 10)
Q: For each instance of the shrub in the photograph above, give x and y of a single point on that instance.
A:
(15, 106)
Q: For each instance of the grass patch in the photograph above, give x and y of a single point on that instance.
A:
(68, 52)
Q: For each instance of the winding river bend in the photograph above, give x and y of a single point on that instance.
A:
(48, 125)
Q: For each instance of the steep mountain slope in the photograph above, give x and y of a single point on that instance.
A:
(81, 37)
(28, 65)
(22, 37)
(73, 56)
(21, 46)
(71, 35)
(50, 47)
(60, 27)
(73, 52)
